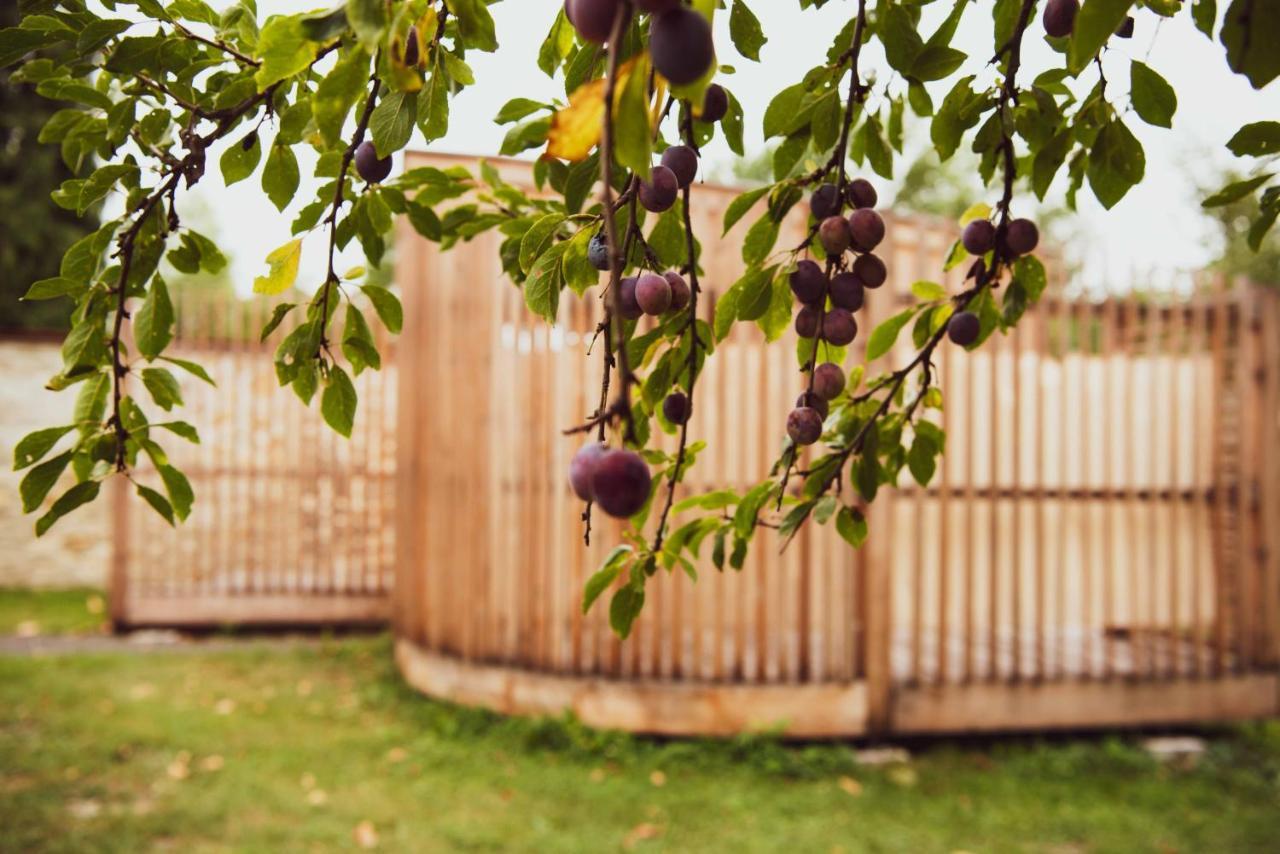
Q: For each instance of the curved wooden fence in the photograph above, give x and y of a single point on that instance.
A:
(1098, 548)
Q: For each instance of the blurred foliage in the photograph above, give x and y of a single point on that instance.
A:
(34, 232)
(1234, 255)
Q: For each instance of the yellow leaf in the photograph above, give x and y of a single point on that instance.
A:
(575, 130)
(981, 210)
(284, 269)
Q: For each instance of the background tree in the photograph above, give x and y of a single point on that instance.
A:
(36, 232)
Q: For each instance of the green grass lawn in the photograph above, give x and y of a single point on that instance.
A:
(51, 612)
(312, 748)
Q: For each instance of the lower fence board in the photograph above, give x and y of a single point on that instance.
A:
(257, 609)
(1082, 705)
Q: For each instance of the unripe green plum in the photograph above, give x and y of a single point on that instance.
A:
(627, 303)
(680, 45)
(676, 408)
(653, 294)
(804, 425)
(828, 380)
(683, 163)
(808, 319)
(715, 104)
(371, 168)
(839, 327)
(620, 483)
(808, 282)
(963, 328)
(825, 202)
(583, 466)
(680, 294)
(979, 237)
(1059, 17)
(870, 271)
(846, 291)
(861, 194)
(659, 192)
(866, 228)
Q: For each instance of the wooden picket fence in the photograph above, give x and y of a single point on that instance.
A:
(1098, 548)
(292, 524)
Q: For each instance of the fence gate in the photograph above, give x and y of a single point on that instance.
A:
(292, 524)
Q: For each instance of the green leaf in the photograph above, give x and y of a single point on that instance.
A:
(633, 147)
(1153, 98)
(190, 367)
(1250, 33)
(183, 429)
(81, 493)
(338, 93)
(37, 482)
(157, 501)
(852, 525)
(163, 387)
(625, 606)
(392, 121)
(1236, 190)
(475, 24)
(1116, 163)
(1205, 14)
(387, 306)
(53, 288)
(369, 20)
(284, 49)
(88, 192)
(782, 111)
(741, 205)
(66, 89)
(280, 177)
(921, 459)
(902, 44)
(153, 324)
(1256, 139)
(518, 108)
(884, 336)
(535, 240)
(240, 159)
(936, 62)
(433, 107)
(928, 291)
(542, 289)
(32, 447)
(1095, 23)
(283, 272)
(744, 29)
(603, 578)
(179, 489)
(338, 403)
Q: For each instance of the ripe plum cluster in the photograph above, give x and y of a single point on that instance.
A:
(829, 297)
(680, 40)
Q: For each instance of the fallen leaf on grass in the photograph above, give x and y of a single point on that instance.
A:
(851, 786)
(904, 776)
(95, 604)
(397, 754)
(366, 835)
(180, 767)
(84, 809)
(317, 797)
(28, 629)
(225, 706)
(658, 778)
(212, 763)
(304, 688)
(639, 833)
(597, 775)
(142, 691)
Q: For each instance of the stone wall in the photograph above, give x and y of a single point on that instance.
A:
(77, 550)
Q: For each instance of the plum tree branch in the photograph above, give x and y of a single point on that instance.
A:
(695, 342)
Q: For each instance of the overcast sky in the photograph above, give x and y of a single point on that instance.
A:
(1157, 229)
